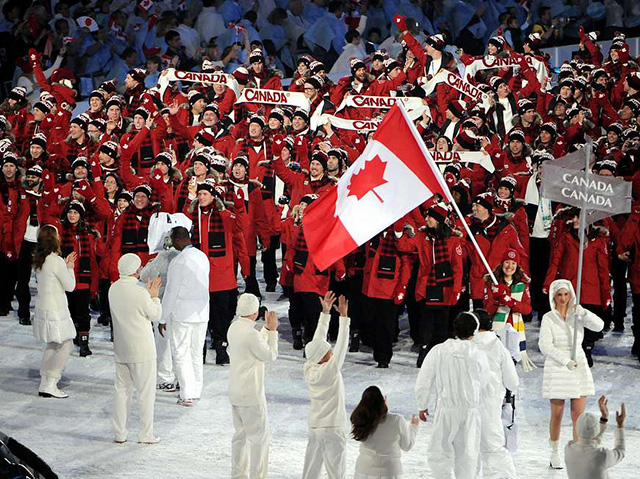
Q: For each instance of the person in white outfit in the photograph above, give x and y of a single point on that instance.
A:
(457, 372)
(382, 436)
(585, 458)
(51, 319)
(249, 350)
(497, 463)
(327, 415)
(185, 305)
(158, 268)
(133, 308)
(564, 377)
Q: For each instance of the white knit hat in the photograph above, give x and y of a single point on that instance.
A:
(587, 426)
(129, 264)
(316, 349)
(248, 304)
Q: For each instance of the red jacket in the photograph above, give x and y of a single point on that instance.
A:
(493, 250)
(300, 183)
(596, 284)
(386, 270)
(629, 240)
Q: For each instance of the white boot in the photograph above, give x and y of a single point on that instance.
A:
(49, 388)
(556, 461)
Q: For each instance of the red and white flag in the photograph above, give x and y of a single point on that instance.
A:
(394, 175)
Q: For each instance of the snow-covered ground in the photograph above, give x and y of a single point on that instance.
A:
(74, 436)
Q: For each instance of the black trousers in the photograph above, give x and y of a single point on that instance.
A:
(103, 296)
(339, 288)
(356, 304)
(539, 254)
(619, 274)
(590, 337)
(635, 314)
(8, 278)
(381, 316)
(251, 282)
(413, 307)
(305, 309)
(79, 309)
(268, 258)
(222, 307)
(435, 327)
(25, 262)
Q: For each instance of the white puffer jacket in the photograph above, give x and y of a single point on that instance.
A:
(556, 340)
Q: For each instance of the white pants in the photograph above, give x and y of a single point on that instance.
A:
(54, 358)
(187, 343)
(164, 359)
(142, 378)
(455, 443)
(326, 445)
(250, 443)
(497, 463)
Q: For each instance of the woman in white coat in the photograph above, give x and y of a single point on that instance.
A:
(51, 320)
(563, 377)
(382, 436)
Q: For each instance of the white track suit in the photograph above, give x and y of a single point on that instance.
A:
(185, 306)
(456, 372)
(248, 351)
(327, 415)
(497, 463)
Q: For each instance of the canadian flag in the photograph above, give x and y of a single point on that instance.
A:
(394, 175)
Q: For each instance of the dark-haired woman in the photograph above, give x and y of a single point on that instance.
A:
(382, 437)
(76, 237)
(51, 320)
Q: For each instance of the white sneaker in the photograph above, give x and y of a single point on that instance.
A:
(185, 402)
(154, 440)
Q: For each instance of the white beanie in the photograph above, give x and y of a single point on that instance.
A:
(315, 350)
(248, 304)
(129, 264)
(587, 426)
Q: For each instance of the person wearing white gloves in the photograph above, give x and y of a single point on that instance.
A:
(249, 350)
(382, 437)
(563, 377)
(185, 305)
(51, 320)
(158, 267)
(457, 372)
(327, 415)
(497, 463)
(133, 309)
(585, 458)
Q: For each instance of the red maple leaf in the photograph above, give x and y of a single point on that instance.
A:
(368, 178)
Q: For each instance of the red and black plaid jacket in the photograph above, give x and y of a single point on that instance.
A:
(143, 159)
(73, 149)
(80, 240)
(133, 100)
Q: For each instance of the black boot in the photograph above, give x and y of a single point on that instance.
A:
(221, 353)
(84, 344)
(25, 320)
(354, 343)
(104, 319)
(297, 339)
(424, 350)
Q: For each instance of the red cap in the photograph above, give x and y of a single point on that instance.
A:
(511, 255)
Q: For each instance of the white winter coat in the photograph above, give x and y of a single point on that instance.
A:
(502, 370)
(132, 311)
(555, 342)
(381, 453)
(51, 318)
(324, 381)
(248, 351)
(186, 296)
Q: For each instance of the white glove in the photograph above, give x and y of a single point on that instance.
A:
(527, 364)
(580, 312)
(572, 365)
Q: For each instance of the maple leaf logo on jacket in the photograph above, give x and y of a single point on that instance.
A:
(367, 179)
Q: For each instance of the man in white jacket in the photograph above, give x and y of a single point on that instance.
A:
(327, 416)
(585, 458)
(133, 308)
(456, 371)
(186, 305)
(249, 350)
(497, 463)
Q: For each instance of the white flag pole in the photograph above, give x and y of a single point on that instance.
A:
(583, 227)
(445, 188)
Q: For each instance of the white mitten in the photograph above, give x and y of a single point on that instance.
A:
(527, 364)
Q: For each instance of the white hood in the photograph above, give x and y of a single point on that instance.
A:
(557, 285)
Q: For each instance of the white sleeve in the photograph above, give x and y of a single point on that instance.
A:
(152, 307)
(426, 378)
(265, 351)
(592, 321)
(408, 433)
(510, 378)
(342, 342)
(65, 275)
(323, 326)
